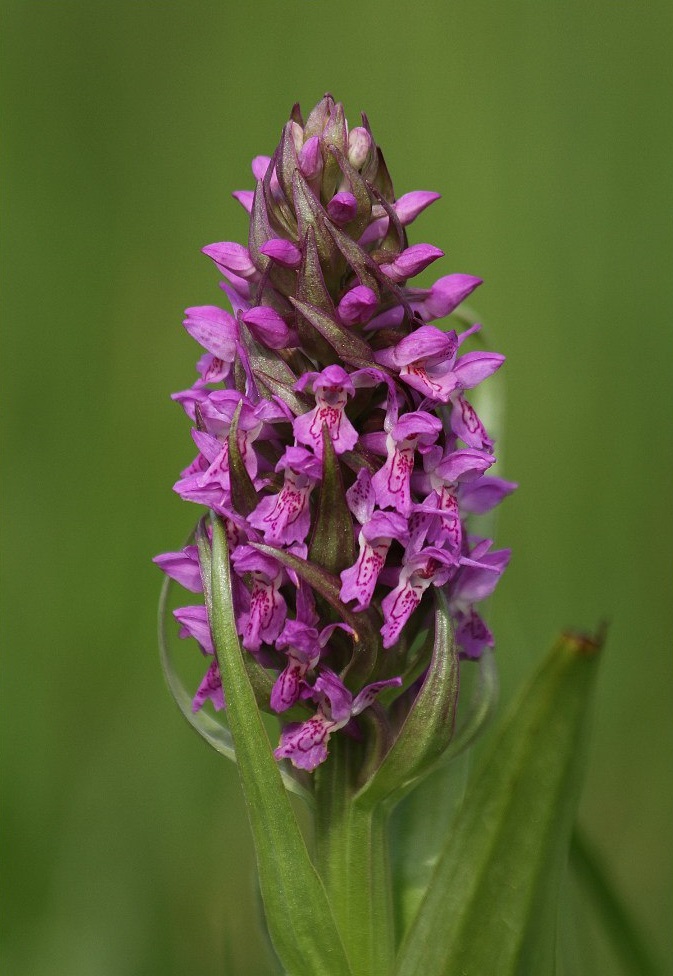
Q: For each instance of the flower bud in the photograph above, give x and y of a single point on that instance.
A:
(359, 146)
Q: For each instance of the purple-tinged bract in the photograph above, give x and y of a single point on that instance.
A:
(336, 440)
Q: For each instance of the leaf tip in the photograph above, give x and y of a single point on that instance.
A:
(583, 644)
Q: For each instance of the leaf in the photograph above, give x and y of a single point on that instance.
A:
(428, 728)
(396, 237)
(335, 134)
(348, 346)
(366, 269)
(332, 544)
(260, 232)
(298, 913)
(243, 493)
(311, 285)
(630, 945)
(312, 290)
(491, 905)
(358, 188)
(311, 214)
(318, 116)
(286, 160)
(268, 367)
(382, 180)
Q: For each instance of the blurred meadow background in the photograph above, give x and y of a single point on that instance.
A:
(547, 128)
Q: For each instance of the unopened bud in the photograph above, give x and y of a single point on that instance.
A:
(359, 144)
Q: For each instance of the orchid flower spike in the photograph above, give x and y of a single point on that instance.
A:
(336, 439)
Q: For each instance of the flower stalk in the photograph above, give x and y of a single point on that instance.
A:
(352, 857)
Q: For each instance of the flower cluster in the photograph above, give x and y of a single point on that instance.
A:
(335, 439)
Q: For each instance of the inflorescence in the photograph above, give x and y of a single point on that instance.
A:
(336, 441)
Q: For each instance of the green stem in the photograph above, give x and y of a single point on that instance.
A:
(353, 861)
(616, 920)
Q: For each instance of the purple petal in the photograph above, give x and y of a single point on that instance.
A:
(215, 329)
(332, 690)
(305, 745)
(302, 461)
(310, 158)
(411, 204)
(229, 256)
(412, 261)
(212, 369)
(183, 567)
(357, 306)
(342, 207)
(417, 423)
(358, 582)
(445, 295)
(194, 623)
(360, 496)
(466, 424)
(476, 583)
(301, 637)
(245, 198)
(210, 688)
(288, 686)
(284, 518)
(463, 466)
(268, 326)
(386, 525)
(260, 164)
(474, 367)
(375, 231)
(485, 493)
(425, 342)
(369, 693)
(264, 621)
(282, 251)
(472, 634)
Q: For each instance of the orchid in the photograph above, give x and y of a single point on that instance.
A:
(343, 566)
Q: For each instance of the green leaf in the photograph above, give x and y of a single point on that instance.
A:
(491, 904)
(332, 544)
(311, 287)
(358, 188)
(428, 727)
(631, 947)
(382, 180)
(286, 160)
(260, 232)
(318, 116)
(298, 913)
(334, 134)
(366, 269)
(347, 345)
(273, 373)
(243, 492)
(396, 237)
(311, 214)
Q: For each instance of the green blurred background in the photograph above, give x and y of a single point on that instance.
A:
(546, 126)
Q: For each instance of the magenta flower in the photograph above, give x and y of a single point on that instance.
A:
(286, 517)
(336, 440)
(305, 744)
